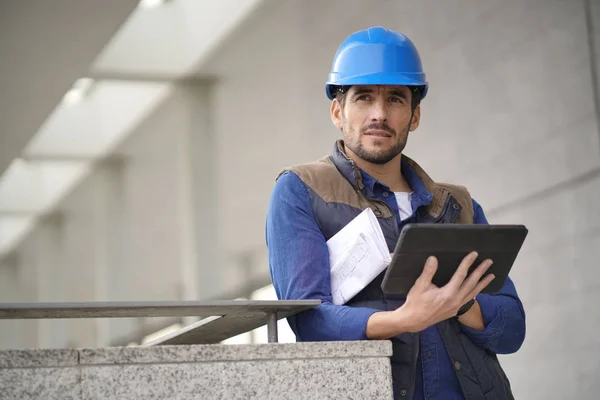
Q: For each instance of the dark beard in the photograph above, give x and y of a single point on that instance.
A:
(379, 157)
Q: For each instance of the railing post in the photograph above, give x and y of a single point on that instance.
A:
(272, 327)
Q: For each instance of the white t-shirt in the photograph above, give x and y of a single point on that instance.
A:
(404, 206)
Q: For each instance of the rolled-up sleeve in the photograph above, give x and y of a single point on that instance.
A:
(299, 266)
(503, 313)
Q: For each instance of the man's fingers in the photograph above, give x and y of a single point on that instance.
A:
(480, 286)
(461, 272)
(474, 278)
(428, 271)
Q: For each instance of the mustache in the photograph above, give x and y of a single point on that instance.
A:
(380, 126)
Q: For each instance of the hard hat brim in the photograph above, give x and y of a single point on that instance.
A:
(386, 78)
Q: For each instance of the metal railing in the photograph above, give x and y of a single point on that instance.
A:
(223, 319)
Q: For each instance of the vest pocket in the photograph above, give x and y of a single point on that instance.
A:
(502, 389)
(479, 361)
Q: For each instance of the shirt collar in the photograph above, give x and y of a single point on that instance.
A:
(365, 182)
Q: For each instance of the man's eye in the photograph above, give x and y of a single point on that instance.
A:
(364, 97)
(397, 100)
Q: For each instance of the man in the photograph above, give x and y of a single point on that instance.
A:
(445, 340)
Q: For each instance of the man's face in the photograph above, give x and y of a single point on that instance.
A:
(374, 121)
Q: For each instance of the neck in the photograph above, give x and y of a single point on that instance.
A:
(389, 173)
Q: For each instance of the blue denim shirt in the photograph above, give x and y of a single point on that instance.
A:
(299, 267)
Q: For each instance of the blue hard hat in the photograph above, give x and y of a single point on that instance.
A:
(376, 56)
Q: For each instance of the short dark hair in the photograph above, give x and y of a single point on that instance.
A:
(417, 92)
(341, 92)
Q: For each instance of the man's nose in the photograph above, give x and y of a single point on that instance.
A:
(379, 111)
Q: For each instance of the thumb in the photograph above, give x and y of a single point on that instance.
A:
(429, 271)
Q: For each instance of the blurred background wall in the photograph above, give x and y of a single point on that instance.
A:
(139, 143)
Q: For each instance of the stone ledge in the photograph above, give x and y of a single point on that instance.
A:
(318, 370)
(217, 352)
(37, 358)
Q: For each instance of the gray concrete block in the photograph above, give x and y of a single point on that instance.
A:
(347, 379)
(324, 370)
(181, 381)
(293, 379)
(36, 358)
(39, 383)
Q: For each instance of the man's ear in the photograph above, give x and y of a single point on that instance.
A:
(336, 114)
(416, 118)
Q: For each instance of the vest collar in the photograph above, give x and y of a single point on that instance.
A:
(346, 165)
(428, 193)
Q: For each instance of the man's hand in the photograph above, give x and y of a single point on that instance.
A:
(427, 304)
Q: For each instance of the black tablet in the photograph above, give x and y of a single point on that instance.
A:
(450, 243)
